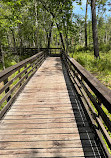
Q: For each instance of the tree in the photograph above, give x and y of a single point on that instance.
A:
(94, 29)
(86, 24)
(58, 10)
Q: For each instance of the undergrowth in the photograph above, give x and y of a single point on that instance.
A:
(101, 68)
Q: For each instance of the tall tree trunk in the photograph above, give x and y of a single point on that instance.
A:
(14, 41)
(89, 33)
(36, 23)
(94, 29)
(106, 37)
(86, 24)
(34, 41)
(49, 36)
(8, 40)
(61, 37)
(20, 38)
(66, 36)
(3, 56)
(0, 50)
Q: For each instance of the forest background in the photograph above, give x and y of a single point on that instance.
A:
(58, 23)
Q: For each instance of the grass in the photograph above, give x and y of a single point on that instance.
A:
(11, 60)
(101, 68)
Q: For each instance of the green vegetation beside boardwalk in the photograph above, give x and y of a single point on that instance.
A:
(100, 68)
(11, 59)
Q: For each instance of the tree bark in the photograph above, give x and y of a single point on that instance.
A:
(0, 50)
(94, 29)
(106, 37)
(49, 36)
(14, 41)
(61, 37)
(89, 33)
(36, 23)
(20, 38)
(86, 24)
(3, 58)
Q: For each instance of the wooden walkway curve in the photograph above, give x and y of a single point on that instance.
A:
(47, 119)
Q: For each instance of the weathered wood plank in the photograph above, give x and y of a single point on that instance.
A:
(40, 137)
(42, 125)
(67, 151)
(40, 131)
(41, 144)
(44, 144)
(41, 109)
(42, 120)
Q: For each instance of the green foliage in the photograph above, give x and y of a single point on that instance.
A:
(105, 48)
(101, 68)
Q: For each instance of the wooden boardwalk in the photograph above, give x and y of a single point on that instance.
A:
(46, 120)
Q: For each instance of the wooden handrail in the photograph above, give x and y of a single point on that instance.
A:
(94, 93)
(7, 72)
(101, 91)
(20, 74)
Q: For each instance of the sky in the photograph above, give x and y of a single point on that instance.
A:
(81, 9)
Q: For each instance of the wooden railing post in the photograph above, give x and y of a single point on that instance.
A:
(6, 81)
(19, 77)
(26, 71)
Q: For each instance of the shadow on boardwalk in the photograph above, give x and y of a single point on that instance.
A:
(91, 147)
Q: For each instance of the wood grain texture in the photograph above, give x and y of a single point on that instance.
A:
(41, 122)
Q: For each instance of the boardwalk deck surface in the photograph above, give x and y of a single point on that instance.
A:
(42, 121)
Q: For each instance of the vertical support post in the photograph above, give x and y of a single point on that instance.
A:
(99, 103)
(45, 54)
(6, 81)
(33, 67)
(37, 63)
(19, 77)
(26, 71)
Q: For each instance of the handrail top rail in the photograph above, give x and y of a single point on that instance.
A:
(11, 68)
(99, 89)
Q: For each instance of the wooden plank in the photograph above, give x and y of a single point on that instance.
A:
(40, 137)
(44, 144)
(42, 105)
(40, 131)
(13, 126)
(34, 154)
(40, 144)
(40, 120)
(63, 151)
(41, 115)
(41, 109)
